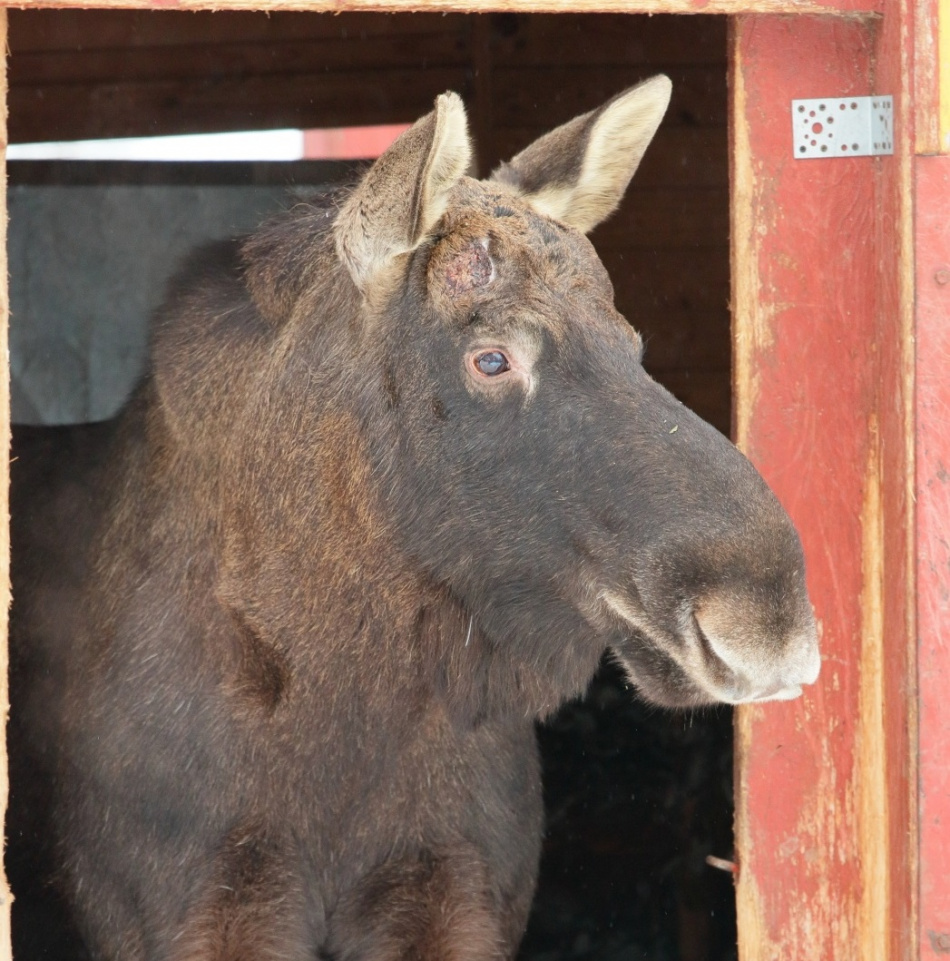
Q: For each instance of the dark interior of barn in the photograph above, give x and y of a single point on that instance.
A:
(636, 798)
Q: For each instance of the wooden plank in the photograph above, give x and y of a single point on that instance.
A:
(667, 217)
(699, 343)
(6, 952)
(943, 75)
(551, 95)
(822, 783)
(184, 62)
(704, 391)
(681, 155)
(678, 301)
(612, 39)
(482, 116)
(228, 103)
(485, 6)
(678, 157)
(660, 286)
(933, 540)
(679, 341)
(71, 29)
(894, 296)
(926, 74)
(931, 67)
(686, 157)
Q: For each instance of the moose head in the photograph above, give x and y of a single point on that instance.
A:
(522, 455)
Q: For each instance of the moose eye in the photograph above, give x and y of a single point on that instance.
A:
(492, 362)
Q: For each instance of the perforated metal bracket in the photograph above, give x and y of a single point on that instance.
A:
(844, 127)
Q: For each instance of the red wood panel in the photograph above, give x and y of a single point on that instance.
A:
(822, 784)
(894, 295)
(933, 540)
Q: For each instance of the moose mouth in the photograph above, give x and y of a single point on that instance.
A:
(691, 666)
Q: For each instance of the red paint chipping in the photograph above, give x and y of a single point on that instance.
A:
(933, 543)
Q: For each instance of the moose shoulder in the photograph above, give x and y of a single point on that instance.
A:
(396, 481)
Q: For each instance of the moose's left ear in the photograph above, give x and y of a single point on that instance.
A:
(578, 172)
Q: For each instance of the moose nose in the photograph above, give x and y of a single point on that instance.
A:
(763, 663)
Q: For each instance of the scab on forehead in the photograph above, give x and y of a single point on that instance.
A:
(467, 269)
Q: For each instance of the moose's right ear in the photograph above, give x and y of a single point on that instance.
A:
(405, 192)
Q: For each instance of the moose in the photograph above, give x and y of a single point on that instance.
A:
(395, 482)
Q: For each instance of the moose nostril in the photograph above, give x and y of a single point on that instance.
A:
(728, 680)
(767, 662)
(712, 638)
(706, 642)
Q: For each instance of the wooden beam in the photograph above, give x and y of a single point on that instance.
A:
(895, 401)
(943, 75)
(6, 897)
(102, 30)
(931, 66)
(543, 40)
(824, 826)
(933, 540)
(523, 93)
(92, 111)
(485, 6)
(926, 71)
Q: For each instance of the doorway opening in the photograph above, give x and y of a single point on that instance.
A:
(637, 799)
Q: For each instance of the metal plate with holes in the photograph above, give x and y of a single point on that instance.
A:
(845, 127)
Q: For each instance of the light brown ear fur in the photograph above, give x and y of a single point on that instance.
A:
(403, 195)
(578, 172)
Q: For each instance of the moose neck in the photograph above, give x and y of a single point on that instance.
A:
(308, 563)
(316, 570)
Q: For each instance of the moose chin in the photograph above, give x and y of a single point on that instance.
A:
(395, 481)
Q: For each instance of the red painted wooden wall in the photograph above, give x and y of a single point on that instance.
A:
(841, 288)
(932, 201)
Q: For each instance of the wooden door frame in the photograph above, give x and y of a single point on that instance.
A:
(825, 321)
(823, 286)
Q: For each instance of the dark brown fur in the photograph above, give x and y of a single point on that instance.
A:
(291, 624)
